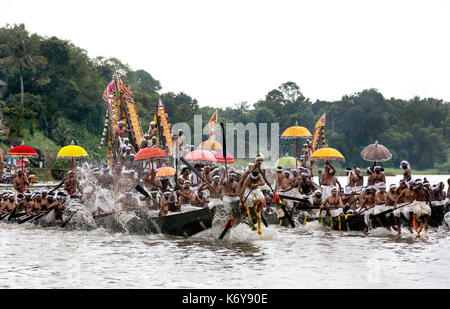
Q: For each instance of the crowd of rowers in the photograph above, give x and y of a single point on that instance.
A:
(187, 189)
(409, 196)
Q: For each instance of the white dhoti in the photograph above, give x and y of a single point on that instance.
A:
(379, 209)
(255, 193)
(228, 200)
(440, 203)
(367, 214)
(357, 189)
(421, 208)
(188, 207)
(326, 192)
(336, 212)
(446, 202)
(290, 193)
(405, 210)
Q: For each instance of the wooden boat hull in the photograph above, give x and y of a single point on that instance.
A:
(357, 223)
(182, 224)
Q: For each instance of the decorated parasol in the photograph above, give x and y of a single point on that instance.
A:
(165, 172)
(376, 152)
(327, 154)
(288, 162)
(151, 153)
(22, 151)
(220, 159)
(72, 151)
(295, 132)
(200, 156)
(210, 144)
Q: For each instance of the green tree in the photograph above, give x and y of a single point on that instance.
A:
(22, 52)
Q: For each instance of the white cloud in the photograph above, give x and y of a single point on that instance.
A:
(224, 52)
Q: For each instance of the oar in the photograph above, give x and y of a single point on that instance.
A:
(286, 213)
(224, 144)
(391, 210)
(381, 213)
(13, 212)
(3, 216)
(67, 221)
(228, 225)
(30, 218)
(285, 197)
(145, 193)
(58, 185)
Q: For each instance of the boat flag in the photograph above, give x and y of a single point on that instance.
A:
(321, 122)
(212, 124)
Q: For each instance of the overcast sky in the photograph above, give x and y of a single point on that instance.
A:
(225, 52)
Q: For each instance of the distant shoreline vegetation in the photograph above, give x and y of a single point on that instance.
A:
(53, 89)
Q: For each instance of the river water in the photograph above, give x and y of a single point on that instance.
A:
(308, 256)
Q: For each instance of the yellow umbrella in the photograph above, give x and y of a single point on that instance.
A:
(296, 132)
(210, 144)
(327, 153)
(72, 151)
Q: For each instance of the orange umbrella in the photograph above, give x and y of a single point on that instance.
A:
(296, 132)
(210, 144)
(165, 172)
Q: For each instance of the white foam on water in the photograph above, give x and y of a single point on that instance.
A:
(447, 219)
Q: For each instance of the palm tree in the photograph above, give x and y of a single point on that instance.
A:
(22, 53)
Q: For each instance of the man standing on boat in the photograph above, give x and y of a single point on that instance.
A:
(180, 141)
(370, 179)
(152, 130)
(250, 190)
(406, 171)
(230, 189)
(17, 182)
(378, 176)
(329, 180)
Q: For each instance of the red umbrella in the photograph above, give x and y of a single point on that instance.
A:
(150, 153)
(22, 151)
(200, 156)
(220, 159)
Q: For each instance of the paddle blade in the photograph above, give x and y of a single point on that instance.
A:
(225, 230)
(287, 215)
(142, 190)
(224, 144)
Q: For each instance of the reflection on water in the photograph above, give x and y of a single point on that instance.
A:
(310, 256)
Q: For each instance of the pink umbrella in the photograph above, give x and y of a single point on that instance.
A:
(220, 159)
(200, 156)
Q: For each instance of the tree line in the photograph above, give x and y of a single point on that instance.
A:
(54, 87)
